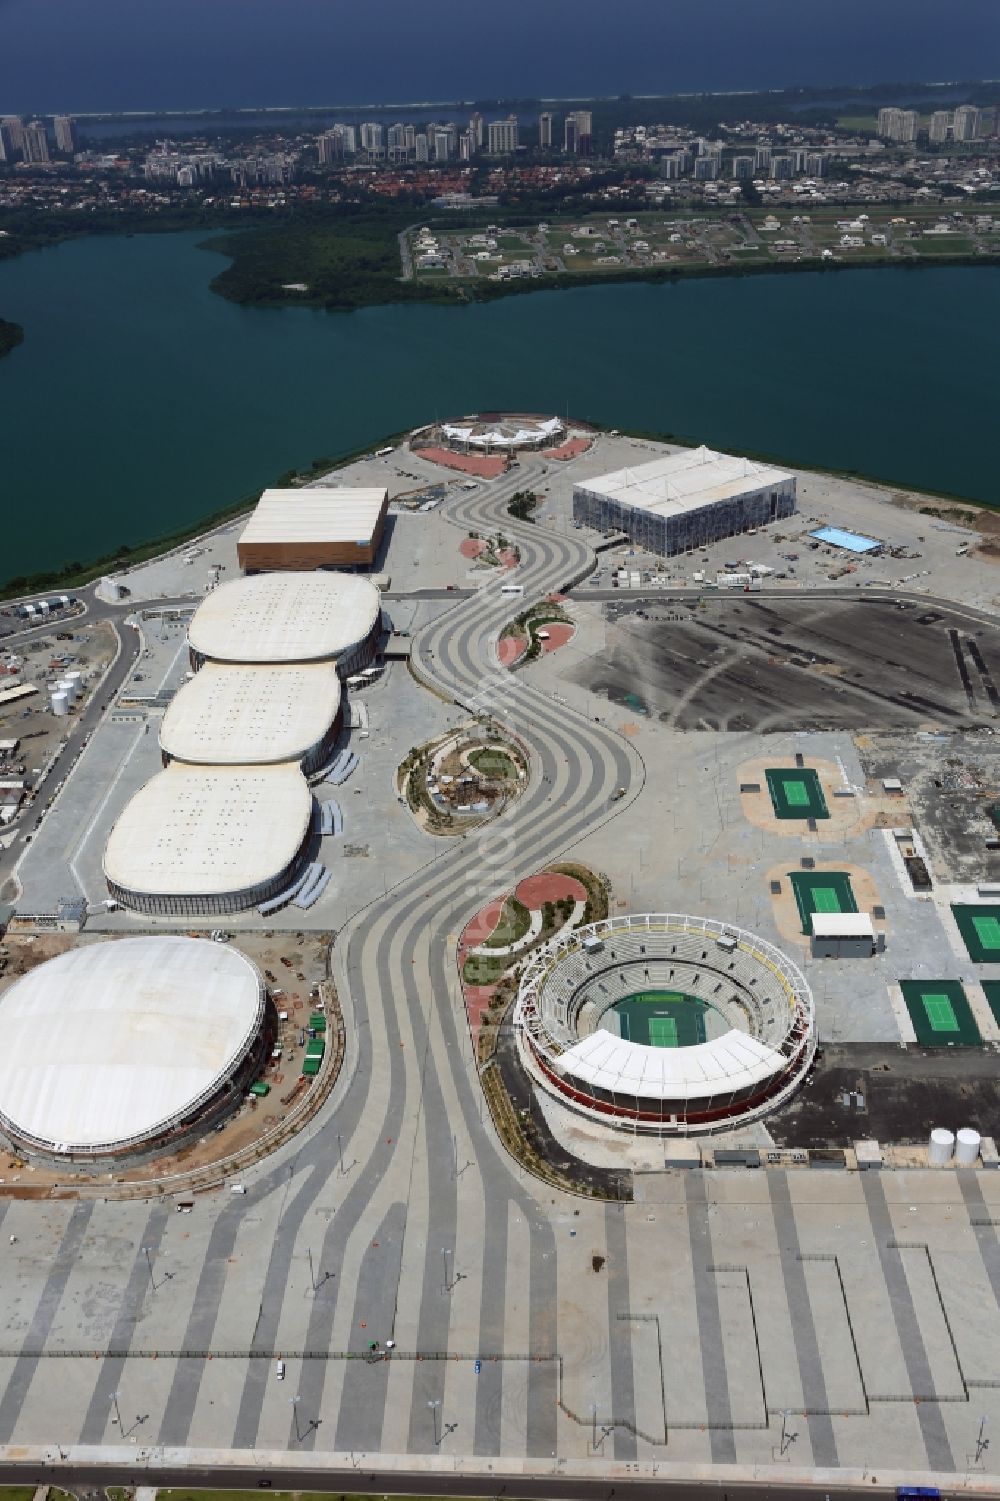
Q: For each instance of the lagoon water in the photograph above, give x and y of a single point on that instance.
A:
(140, 401)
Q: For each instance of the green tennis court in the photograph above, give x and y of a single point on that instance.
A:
(979, 925)
(796, 793)
(821, 891)
(940, 1013)
(662, 1018)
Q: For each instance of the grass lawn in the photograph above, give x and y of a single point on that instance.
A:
(942, 245)
(515, 921)
(856, 122)
(480, 969)
(493, 763)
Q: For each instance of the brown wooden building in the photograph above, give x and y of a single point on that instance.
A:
(316, 527)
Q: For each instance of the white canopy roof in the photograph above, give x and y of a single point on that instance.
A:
(507, 437)
(113, 1040)
(842, 925)
(726, 1064)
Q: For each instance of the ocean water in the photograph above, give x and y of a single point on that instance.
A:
(140, 401)
(95, 55)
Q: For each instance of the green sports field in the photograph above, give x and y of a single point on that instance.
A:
(796, 794)
(662, 1018)
(979, 925)
(940, 1013)
(821, 891)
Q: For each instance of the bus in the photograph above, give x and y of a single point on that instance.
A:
(511, 588)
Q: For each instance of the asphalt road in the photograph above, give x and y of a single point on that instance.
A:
(84, 724)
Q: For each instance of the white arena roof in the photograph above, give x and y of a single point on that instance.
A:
(209, 830)
(506, 434)
(234, 714)
(684, 481)
(732, 1062)
(285, 617)
(317, 513)
(113, 1042)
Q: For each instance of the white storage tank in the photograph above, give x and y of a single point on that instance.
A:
(967, 1144)
(60, 704)
(65, 686)
(941, 1147)
(76, 678)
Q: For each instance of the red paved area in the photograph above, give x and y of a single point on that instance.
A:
(568, 450)
(486, 467)
(510, 648)
(508, 557)
(480, 928)
(472, 547)
(549, 886)
(559, 634)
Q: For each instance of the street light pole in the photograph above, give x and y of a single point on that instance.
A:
(295, 1412)
(434, 1406)
(444, 1258)
(118, 1412)
(149, 1264)
(982, 1443)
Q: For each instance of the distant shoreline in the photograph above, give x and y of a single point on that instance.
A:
(805, 91)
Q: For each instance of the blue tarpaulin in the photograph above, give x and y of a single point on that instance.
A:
(852, 541)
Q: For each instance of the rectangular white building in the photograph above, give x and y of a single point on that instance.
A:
(685, 500)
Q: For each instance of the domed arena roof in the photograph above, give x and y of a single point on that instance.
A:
(114, 1043)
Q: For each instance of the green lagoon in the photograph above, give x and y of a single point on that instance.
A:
(140, 401)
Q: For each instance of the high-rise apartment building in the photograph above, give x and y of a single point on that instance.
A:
(67, 137)
(14, 126)
(477, 128)
(940, 127)
(743, 168)
(966, 123)
(503, 136)
(545, 131)
(8, 152)
(422, 146)
(371, 139)
(578, 133)
(330, 147)
(36, 142)
(899, 125)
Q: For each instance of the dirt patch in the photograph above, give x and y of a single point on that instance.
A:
(786, 912)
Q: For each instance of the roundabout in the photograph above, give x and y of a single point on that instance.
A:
(665, 1023)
